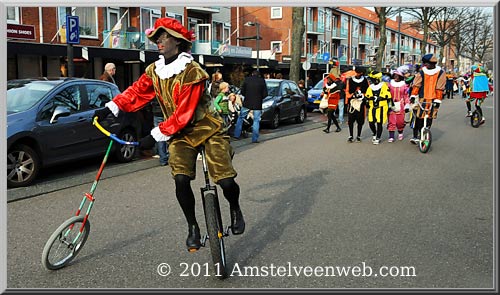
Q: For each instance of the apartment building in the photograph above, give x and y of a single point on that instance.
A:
(226, 37)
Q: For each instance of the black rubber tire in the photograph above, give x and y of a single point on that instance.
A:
(301, 117)
(215, 235)
(23, 165)
(55, 241)
(126, 153)
(425, 145)
(475, 119)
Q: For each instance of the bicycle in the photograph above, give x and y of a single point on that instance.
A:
(425, 140)
(213, 219)
(70, 237)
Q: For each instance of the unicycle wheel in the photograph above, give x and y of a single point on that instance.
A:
(65, 243)
(215, 235)
(425, 140)
(475, 119)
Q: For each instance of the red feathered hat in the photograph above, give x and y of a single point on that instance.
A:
(171, 26)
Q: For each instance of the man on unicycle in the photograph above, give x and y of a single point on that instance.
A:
(178, 83)
(478, 90)
(428, 87)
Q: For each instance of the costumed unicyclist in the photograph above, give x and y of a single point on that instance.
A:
(478, 90)
(178, 83)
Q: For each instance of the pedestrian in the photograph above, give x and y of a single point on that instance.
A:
(254, 90)
(161, 146)
(340, 108)
(428, 87)
(332, 91)
(356, 102)
(178, 82)
(221, 102)
(378, 96)
(214, 85)
(109, 72)
(450, 81)
(302, 87)
(401, 105)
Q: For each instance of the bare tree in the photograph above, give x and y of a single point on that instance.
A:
(383, 13)
(425, 16)
(298, 29)
(479, 35)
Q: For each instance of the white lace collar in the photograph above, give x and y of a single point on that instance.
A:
(376, 86)
(397, 84)
(358, 80)
(431, 72)
(177, 66)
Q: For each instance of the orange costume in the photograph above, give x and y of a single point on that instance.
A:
(429, 85)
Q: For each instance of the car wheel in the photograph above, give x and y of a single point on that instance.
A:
(276, 120)
(301, 117)
(23, 164)
(125, 153)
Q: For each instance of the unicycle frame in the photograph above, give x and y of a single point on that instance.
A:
(425, 141)
(63, 231)
(210, 198)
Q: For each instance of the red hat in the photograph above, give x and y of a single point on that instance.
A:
(171, 26)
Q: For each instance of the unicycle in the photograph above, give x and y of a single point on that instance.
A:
(425, 141)
(70, 237)
(475, 119)
(215, 231)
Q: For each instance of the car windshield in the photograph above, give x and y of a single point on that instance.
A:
(23, 94)
(319, 85)
(273, 87)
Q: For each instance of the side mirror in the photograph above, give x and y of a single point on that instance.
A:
(60, 111)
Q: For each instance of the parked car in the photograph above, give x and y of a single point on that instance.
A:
(313, 96)
(284, 101)
(49, 122)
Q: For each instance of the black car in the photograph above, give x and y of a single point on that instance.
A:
(284, 101)
(49, 122)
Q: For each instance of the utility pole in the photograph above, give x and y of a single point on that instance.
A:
(399, 39)
(69, 46)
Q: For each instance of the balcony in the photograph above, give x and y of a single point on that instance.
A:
(127, 40)
(365, 39)
(206, 47)
(314, 28)
(344, 32)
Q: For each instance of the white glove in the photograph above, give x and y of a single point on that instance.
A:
(158, 136)
(361, 96)
(437, 101)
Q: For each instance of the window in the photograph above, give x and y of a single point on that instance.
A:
(276, 46)
(13, 15)
(69, 98)
(328, 21)
(87, 17)
(276, 12)
(321, 20)
(218, 31)
(98, 95)
(355, 28)
(178, 17)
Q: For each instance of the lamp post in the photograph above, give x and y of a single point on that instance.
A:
(257, 38)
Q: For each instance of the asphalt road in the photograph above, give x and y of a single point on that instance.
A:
(313, 204)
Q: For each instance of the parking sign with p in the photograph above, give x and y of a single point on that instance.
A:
(72, 29)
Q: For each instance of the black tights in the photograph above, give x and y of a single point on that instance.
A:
(376, 129)
(185, 196)
(477, 107)
(357, 117)
(419, 123)
(332, 118)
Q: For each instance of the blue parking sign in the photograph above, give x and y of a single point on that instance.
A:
(72, 29)
(326, 56)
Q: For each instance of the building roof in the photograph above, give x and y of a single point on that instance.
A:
(371, 16)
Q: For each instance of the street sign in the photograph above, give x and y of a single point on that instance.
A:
(326, 56)
(306, 66)
(72, 29)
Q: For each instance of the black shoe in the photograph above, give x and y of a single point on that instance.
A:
(237, 222)
(350, 139)
(193, 242)
(338, 129)
(358, 139)
(326, 130)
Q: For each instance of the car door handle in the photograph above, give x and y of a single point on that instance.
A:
(81, 119)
